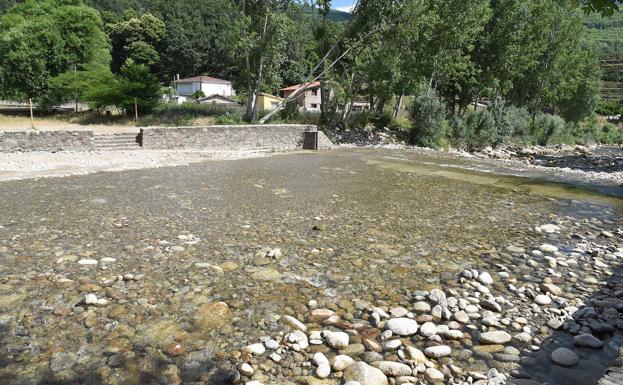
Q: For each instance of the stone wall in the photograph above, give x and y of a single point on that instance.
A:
(34, 140)
(243, 137)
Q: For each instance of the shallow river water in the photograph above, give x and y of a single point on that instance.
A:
(370, 225)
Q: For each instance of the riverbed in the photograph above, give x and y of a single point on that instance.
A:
(163, 275)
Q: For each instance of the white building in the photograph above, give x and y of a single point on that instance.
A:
(186, 88)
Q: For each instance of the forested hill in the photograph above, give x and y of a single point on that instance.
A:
(605, 34)
(334, 15)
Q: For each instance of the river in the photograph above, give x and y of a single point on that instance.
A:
(118, 277)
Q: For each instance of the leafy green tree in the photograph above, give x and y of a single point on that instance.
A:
(40, 39)
(100, 88)
(138, 85)
(261, 49)
(137, 38)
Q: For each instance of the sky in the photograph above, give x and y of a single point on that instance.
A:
(342, 5)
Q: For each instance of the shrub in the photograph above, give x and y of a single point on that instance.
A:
(548, 129)
(519, 120)
(609, 107)
(428, 119)
(358, 120)
(382, 120)
(228, 118)
(610, 134)
(198, 94)
(479, 130)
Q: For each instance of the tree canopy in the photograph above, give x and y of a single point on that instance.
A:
(40, 39)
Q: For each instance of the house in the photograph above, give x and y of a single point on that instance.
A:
(267, 102)
(218, 99)
(309, 99)
(184, 89)
(359, 106)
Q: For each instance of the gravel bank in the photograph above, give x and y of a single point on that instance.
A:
(15, 166)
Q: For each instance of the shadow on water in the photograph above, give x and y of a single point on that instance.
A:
(600, 317)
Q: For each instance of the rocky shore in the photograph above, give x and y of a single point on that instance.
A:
(485, 327)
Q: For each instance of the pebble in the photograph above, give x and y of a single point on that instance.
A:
(246, 369)
(391, 368)
(365, 374)
(402, 326)
(547, 248)
(485, 278)
(433, 375)
(543, 299)
(255, 349)
(341, 362)
(294, 323)
(498, 337)
(428, 329)
(588, 341)
(438, 351)
(88, 262)
(336, 340)
(564, 357)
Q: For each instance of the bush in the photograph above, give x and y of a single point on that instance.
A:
(519, 119)
(610, 134)
(428, 118)
(382, 120)
(358, 120)
(228, 118)
(479, 130)
(609, 107)
(186, 113)
(549, 129)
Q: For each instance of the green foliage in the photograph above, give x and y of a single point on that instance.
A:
(428, 119)
(136, 38)
(134, 85)
(228, 118)
(609, 107)
(479, 130)
(184, 114)
(548, 129)
(198, 94)
(84, 85)
(603, 34)
(40, 39)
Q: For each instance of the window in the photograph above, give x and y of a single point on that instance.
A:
(314, 105)
(314, 91)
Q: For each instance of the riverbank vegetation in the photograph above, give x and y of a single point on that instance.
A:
(437, 73)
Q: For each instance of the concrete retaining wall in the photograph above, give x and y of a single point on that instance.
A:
(34, 140)
(243, 137)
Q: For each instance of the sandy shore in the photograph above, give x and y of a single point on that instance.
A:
(14, 166)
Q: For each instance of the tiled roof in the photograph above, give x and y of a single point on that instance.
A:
(297, 86)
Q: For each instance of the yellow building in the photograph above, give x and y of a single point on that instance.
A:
(267, 102)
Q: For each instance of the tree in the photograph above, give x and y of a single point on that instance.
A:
(136, 38)
(40, 39)
(261, 47)
(100, 88)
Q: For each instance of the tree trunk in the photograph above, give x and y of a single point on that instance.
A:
(254, 89)
(398, 107)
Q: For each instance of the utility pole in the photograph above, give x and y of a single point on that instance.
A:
(135, 110)
(32, 118)
(76, 94)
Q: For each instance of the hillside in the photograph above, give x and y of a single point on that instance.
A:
(605, 34)
(334, 15)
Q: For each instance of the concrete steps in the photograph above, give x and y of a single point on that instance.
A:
(116, 142)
